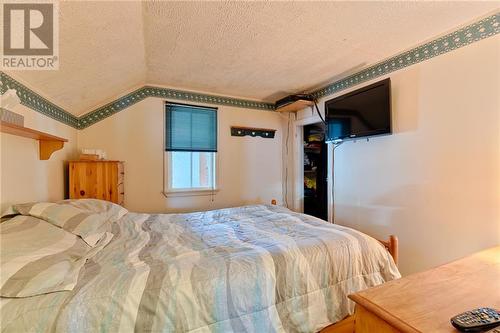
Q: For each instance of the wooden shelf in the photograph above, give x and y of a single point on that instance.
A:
(48, 143)
(295, 106)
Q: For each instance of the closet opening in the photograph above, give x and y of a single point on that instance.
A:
(315, 171)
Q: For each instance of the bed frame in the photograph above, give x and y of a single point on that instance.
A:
(392, 245)
(346, 325)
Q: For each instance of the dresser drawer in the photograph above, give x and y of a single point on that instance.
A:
(97, 179)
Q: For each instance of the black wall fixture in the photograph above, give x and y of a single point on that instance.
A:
(243, 131)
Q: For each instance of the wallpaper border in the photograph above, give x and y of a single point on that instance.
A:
(151, 91)
(477, 31)
(34, 101)
(40, 104)
(474, 32)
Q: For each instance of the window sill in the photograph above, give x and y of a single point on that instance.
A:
(189, 193)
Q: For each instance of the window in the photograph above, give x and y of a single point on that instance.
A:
(190, 148)
(191, 171)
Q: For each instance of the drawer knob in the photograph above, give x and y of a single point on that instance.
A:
(82, 192)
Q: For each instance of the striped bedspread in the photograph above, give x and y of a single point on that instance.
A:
(246, 269)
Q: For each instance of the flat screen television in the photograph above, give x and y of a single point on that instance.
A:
(361, 113)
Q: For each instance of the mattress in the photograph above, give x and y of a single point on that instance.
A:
(246, 269)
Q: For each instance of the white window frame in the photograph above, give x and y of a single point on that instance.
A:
(192, 191)
(168, 191)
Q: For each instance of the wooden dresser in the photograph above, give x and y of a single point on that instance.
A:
(425, 302)
(97, 179)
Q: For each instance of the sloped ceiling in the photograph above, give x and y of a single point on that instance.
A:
(255, 50)
(101, 55)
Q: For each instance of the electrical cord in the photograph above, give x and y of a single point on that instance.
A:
(333, 158)
(338, 144)
(319, 113)
(286, 161)
(335, 146)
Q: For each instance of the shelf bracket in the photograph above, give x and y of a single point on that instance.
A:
(48, 143)
(48, 147)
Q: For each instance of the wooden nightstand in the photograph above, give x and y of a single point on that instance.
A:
(97, 180)
(425, 302)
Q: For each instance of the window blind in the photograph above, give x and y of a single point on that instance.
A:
(190, 128)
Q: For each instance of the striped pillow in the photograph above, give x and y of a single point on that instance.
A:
(89, 226)
(113, 211)
(38, 258)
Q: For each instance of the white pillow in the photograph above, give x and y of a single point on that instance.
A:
(113, 211)
(90, 226)
(37, 257)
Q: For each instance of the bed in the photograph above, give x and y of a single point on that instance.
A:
(255, 268)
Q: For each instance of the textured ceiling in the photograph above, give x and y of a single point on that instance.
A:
(101, 55)
(256, 50)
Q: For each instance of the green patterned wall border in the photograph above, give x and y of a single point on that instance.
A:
(477, 31)
(36, 102)
(111, 108)
(150, 91)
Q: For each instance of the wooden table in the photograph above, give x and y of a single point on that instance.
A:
(425, 302)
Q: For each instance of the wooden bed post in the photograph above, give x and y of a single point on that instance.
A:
(394, 248)
(392, 245)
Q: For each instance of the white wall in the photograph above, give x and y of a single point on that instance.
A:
(250, 169)
(436, 181)
(23, 176)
